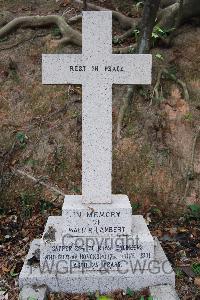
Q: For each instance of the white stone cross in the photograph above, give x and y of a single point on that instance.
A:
(96, 69)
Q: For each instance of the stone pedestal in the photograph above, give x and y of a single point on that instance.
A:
(96, 247)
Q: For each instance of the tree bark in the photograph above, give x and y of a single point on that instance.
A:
(167, 17)
(151, 8)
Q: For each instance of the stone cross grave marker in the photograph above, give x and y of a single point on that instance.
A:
(96, 69)
(102, 236)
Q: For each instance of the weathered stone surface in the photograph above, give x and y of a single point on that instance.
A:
(31, 292)
(97, 219)
(99, 252)
(96, 69)
(104, 282)
(163, 292)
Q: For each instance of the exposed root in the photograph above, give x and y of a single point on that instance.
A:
(38, 181)
(180, 82)
(144, 44)
(18, 42)
(169, 16)
(69, 35)
(157, 95)
(124, 36)
(5, 17)
(165, 3)
(75, 19)
(125, 50)
(125, 22)
(127, 99)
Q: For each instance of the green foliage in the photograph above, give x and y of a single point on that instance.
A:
(2, 211)
(135, 206)
(194, 211)
(196, 269)
(4, 39)
(159, 56)
(172, 70)
(27, 201)
(45, 205)
(115, 40)
(179, 273)
(131, 50)
(55, 31)
(139, 4)
(21, 138)
(156, 211)
(13, 274)
(159, 32)
(188, 117)
(136, 33)
(129, 292)
(103, 298)
(31, 162)
(31, 298)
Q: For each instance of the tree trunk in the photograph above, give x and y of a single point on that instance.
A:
(147, 23)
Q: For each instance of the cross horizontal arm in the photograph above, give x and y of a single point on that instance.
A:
(60, 69)
(133, 69)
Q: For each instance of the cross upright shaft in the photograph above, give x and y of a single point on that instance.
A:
(97, 69)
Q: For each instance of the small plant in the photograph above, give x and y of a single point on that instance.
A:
(21, 138)
(194, 211)
(4, 39)
(139, 4)
(115, 40)
(135, 206)
(44, 205)
(26, 200)
(136, 33)
(159, 56)
(55, 32)
(179, 273)
(31, 162)
(196, 269)
(129, 292)
(188, 116)
(159, 32)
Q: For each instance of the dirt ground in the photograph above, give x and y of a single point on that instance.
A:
(156, 162)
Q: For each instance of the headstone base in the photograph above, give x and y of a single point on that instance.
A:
(91, 281)
(59, 250)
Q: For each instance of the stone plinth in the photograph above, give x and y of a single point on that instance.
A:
(91, 281)
(60, 250)
(81, 219)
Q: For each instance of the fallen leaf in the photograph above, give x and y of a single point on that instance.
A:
(197, 281)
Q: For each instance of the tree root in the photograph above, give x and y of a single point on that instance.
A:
(143, 46)
(69, 35)
(165, 3)
(125, 22)
(74, 19)
(18, 42)
(124, 36)
(180, 82)
(5, 17)
(38, 181)
(125, 50)
(167, 17)
(164, 71)
(156, 87)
